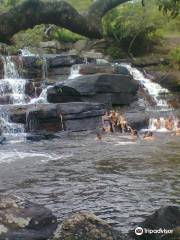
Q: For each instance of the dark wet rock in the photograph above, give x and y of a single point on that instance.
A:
(30, 89)
(121, 69)
(86, 226)
(6, 99)
(39, 136)
(167, 218)
(137, 119)
(2, 138)
(55, 61)
(74, 116)
(62, 94)
(105, 88)
(23, 220)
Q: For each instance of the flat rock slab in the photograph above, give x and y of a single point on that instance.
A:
(23, 220)
(74, 116)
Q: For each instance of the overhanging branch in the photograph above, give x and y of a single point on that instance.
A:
(34, 12)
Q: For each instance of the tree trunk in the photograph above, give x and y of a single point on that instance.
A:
(34, 12)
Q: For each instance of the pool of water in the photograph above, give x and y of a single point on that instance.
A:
(119, 180)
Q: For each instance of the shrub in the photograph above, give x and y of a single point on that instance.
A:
(174, 57)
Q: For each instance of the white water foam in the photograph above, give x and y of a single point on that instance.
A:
(154, 89)
(14, 86)
(13, 82)
(74, 72)
(156, 92)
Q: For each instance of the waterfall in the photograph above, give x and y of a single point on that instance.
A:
(161, 109)
(153, 89)
(74, 72)
(12, 82)
(42, 98)
(12, 91)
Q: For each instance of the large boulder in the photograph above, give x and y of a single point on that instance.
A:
(164, 224)
(137, 119)
(23, 220)
(110, 89)
(74, 116)
(86, 226)
(62, 94)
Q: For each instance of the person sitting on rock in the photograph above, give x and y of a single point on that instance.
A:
(149, 136)
(106, 121)
(98, 137)
(122, 123)
(113, 118)
(158, 123)
(169, 124)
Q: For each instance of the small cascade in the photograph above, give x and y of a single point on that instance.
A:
(42, 98)
(159, 124)
(159, 108)
(153, 89)
(12, 91)
(12, 83)
(25, 52)
(74, 72)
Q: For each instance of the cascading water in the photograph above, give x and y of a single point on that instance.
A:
(74, 72)
(12, 82)
(153, 89)
(12, 90)
(161, 109)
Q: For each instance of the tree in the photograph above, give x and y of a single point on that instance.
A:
(30, 13)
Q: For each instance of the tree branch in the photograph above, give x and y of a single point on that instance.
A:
(100, 7)
(34, 12)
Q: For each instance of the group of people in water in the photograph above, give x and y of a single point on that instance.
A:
(114, 121)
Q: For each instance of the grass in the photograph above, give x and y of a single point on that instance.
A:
(81, 5)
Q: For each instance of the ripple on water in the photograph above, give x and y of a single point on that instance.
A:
(119, 180)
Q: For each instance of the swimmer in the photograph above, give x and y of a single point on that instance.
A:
(122, 122)
(113, 117)
(134, 133)
(106, 123)
(158, 123)
(169, 124)
(149, 136)
(98, 137)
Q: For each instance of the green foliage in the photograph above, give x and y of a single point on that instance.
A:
(30, 37)
(171, 7)
(174, 57)
(115, 51)
(134, 27)
(64, 35)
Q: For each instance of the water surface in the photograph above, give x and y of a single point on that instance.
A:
(119, 180)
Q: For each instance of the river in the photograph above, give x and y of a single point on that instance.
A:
(119, 180)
